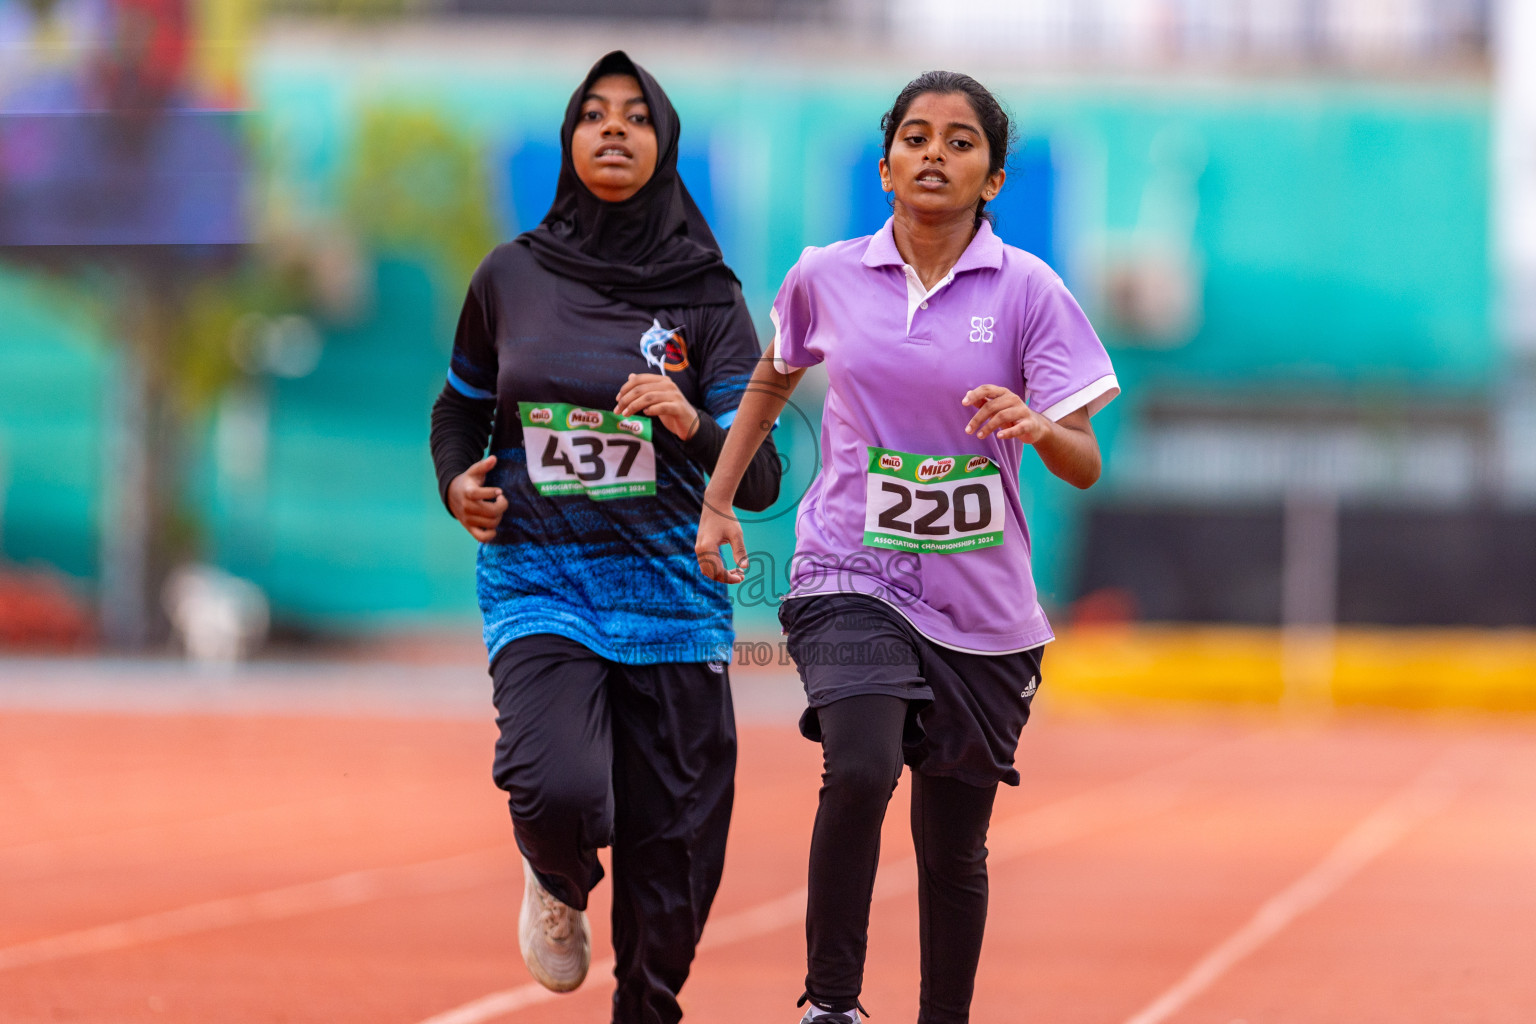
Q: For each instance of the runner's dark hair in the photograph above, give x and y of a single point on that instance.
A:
(995, 123)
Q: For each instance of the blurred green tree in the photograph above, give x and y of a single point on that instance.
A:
(418, 187)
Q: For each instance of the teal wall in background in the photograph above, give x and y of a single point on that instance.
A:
(342, 520)
(54, 371)
(1343, 229)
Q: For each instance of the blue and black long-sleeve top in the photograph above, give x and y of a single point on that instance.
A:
(617, 575)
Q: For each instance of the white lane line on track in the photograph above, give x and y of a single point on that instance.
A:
(499, 1004)
(1373, 836)
(465, 871)
(1117, 803)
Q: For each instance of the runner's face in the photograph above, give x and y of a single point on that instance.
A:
(614, 145)
(938, 159)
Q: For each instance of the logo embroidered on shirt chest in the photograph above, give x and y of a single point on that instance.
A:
(981, 329)
(664, 348)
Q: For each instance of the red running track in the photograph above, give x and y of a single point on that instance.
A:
(1190, 866)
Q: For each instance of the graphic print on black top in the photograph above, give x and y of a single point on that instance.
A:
(664, 348)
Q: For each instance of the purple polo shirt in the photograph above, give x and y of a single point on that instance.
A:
(899, 358)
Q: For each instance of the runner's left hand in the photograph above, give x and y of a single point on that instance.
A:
(718, 527)
(1004, 413)
(652, 394)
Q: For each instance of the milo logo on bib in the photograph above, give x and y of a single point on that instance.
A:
(934, 504)
(933, 469)
(588, 452)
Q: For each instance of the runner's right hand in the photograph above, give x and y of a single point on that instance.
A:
(475, 505)
(717, 529)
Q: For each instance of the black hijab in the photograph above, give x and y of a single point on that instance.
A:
(654, 248)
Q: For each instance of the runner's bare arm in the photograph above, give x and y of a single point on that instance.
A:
(766, 395)
(1067, 446)
(1070, 450)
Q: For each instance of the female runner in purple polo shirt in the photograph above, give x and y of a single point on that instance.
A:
(912, 615)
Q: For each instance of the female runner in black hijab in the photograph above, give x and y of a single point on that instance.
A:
(603, 354)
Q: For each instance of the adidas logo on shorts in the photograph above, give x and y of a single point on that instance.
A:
(1031, 687)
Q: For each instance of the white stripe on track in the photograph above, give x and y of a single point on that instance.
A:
(1117, 803)
(499, 1004)
(465, 871)
(1373, 836)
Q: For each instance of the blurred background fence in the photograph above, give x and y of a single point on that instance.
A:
(1291, 222)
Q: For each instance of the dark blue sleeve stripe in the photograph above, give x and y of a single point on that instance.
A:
(468, 390)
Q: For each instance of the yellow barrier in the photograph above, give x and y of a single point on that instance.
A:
(1405, 668)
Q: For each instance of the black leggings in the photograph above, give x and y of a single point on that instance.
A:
(861, 757)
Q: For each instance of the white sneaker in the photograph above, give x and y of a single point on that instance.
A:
(816, 1014)
(556, 939)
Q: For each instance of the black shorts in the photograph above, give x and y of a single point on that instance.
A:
(966, 710)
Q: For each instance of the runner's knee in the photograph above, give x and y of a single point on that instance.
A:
(862, 780)
(561, 797)
(861, 746)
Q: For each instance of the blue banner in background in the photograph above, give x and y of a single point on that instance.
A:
(171, 177)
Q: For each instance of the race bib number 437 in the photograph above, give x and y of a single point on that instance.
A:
(935, 504)
(572, 450)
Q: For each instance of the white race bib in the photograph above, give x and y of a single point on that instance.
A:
(935, 504)
(572, 450)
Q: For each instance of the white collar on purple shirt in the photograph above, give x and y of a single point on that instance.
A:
(984, 251)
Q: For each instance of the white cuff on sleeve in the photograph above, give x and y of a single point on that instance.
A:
(1094, 397)
(778, 363)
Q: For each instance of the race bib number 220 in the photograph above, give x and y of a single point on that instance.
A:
(572, 450)
(934, 504)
